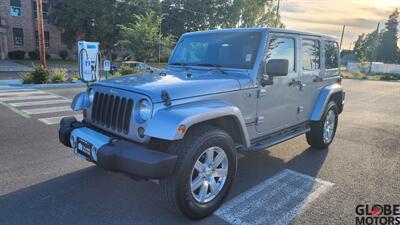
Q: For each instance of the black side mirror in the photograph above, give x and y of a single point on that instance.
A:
(274, 68)
(277, 67)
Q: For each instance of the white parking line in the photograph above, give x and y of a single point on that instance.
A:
(47, 110)
(19, 98)
(277, 200)
(24, 93)
(47, 102)
(56, 120)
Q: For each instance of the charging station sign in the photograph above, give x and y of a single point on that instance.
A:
(87, 71)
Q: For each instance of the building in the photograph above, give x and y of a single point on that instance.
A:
(18, 28)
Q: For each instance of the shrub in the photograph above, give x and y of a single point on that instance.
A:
(40, 75)
(27, 78)
(63, 54)
(34, 55)
(16, 55)
(126, 70)
(58, 76)
(75, 76)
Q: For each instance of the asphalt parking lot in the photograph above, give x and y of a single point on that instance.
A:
(42, 182)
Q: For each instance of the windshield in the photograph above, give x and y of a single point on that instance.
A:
(233, 49)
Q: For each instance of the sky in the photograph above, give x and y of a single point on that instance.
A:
(329, 16)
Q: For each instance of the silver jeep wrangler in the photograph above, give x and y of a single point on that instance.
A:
(222, 92)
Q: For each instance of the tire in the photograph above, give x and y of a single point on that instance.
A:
(315, 137)
(177, 188)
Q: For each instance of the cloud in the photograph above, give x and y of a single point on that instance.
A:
(328, 16)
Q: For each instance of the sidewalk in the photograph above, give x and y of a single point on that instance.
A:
(10, 66)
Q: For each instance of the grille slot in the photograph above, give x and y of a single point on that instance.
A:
(112, 111)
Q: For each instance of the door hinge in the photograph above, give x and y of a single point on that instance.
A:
(300, 109)
(260, 120)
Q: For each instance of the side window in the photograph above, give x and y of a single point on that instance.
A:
(310, 56)
(282, 48)
(331, 55)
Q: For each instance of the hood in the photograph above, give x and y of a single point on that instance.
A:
(179, 83)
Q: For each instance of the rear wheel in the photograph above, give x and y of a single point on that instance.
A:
(322, 132)
(204, 173)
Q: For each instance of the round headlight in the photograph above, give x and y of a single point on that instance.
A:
(91, 96)
(144, 109)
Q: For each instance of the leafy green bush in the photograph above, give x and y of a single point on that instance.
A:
(126, 70)
(33, 55)
(27, 78)
(16, 54)
(63, 54)
(389, 77)
(58, 76)
(75, 76)
(40, 75)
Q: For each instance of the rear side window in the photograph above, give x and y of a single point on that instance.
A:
(310, 55)
(282, 48)
(331, 55)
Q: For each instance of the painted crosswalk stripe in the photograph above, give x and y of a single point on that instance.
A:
(275, 201)
(19, 98)
(46, 102)
(47, 110)
(56, 120)
(14, 90)
(24, 93)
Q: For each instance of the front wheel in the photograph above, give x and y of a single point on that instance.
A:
(204, 173)
(322, 132)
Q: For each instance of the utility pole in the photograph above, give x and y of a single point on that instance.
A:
(373, 56)
(277, 13)
(341, 39)
(42, 50)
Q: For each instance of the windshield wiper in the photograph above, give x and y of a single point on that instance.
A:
(217, 66)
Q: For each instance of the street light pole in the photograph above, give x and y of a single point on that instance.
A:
(42, 50)
(277, 13)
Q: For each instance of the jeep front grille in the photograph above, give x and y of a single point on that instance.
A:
(112, 112)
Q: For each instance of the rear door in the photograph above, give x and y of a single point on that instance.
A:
(311, 75)
(277, 103)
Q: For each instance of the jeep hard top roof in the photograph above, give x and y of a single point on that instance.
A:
(276, 30)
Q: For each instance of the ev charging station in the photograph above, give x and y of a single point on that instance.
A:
(89, 61)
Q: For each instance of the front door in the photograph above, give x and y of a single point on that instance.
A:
(277, 103)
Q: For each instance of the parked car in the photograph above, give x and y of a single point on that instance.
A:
(137, 65)
(222, 92)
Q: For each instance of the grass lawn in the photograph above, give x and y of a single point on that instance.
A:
(51, 64)
(369, 76)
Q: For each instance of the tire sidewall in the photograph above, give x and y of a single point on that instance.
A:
(331, 106)
(189, 203)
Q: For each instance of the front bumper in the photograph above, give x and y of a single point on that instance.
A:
(117, 154)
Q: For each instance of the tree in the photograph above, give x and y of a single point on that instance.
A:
(81, 20)
(252, 13)
(388, 51)
(187, 15)
(142, 37)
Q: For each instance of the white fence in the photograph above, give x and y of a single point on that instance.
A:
(375, 68)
